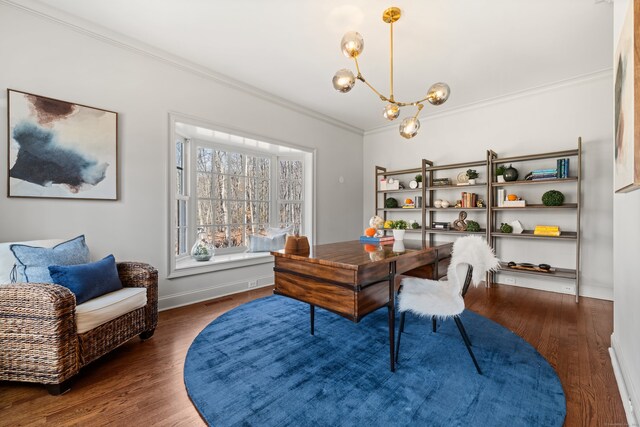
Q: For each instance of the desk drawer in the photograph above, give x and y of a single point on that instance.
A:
(336, 298)
(333, 274)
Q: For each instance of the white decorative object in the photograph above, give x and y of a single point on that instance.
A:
(437, 203)
(445, 204)
(398, 246)
(472, 181)
(500, 178)
(377, 223)
(398, 234)
(413, 184)
(514, 203)
(517, 227)
(500, 197)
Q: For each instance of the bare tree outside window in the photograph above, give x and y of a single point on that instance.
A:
(233, 195)
(290, 194)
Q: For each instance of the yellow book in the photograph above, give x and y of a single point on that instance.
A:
(546, 233)
(547, 227)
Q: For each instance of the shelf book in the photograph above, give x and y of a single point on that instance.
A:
(379, 240)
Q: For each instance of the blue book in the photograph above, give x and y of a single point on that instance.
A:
(384, 239)
(566, 168)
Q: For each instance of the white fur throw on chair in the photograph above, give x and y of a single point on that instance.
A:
(444, 298)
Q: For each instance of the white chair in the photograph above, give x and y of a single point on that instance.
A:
(470, 261)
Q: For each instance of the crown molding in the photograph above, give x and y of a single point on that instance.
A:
(573, 81)
(103, 34)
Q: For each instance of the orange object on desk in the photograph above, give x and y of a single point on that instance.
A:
(512, 197)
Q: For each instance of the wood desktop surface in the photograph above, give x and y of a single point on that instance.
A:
(351, 278)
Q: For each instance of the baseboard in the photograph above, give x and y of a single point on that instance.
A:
(597, 292)
(629, 400)
(191, 297)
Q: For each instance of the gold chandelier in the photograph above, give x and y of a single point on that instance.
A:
(352, 45)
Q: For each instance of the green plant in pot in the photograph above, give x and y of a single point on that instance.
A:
(553, 198)
(399, 227)
(418, 179)
(500, 173)
(390, 203)
(473, 226)
(472, 174)
(506, 228)
(510, 174)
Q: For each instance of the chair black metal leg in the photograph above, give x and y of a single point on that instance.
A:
(464, 331)
(402, 315)
(467, 343)
(433, 322)
(312, 312)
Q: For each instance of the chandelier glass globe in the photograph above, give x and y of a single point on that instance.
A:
(438, 93)
(344, 80)
(409, 127)
(352, 44)
(391, 112)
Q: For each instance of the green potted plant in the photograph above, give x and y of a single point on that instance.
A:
(500, 173)
(553, 198)
(472, 174)
(473, 226)
(399, 228)
(418, 179)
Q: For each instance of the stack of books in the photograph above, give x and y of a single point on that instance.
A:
(441, 181)
(540, 174)
(379, 240)
(440, 225)
(469, 200)
(547, 230)
(563, 168)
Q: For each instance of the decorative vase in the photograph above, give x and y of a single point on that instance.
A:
(445, 204)
(398, 234)
(202, 250)
(437, 203)
(510, 174)
(472, 181)
(398, 246)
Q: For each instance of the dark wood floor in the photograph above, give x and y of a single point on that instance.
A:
(142, 383)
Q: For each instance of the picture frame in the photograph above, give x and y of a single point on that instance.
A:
(60, 149)
(627, 103)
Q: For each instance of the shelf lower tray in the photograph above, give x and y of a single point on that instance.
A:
(528, 234)
(560, 273)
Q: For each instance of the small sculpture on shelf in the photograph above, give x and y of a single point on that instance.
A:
(480, 203)
(458, 203)
(460, 224)
(506, 228)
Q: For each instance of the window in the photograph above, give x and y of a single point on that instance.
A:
(228, 187)
(233, 195)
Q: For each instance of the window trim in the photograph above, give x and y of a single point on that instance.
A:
(239, 259)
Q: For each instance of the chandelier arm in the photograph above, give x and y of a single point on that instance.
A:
(420, 107)
(363, 80)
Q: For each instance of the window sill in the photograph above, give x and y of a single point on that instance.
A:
(189, 267)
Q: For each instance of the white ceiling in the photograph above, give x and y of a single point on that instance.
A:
(482, 48)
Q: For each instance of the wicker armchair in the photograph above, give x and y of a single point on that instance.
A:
(38, 339)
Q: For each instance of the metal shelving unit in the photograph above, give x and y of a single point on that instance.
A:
(431, 210)
(494, 211)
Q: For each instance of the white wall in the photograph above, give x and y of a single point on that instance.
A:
(626, 287)
(541, 120)
(48, 58)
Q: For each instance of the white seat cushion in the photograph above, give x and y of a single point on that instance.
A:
(107, 307)
(430, 298)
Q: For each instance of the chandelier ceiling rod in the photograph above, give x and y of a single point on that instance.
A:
(352, 46)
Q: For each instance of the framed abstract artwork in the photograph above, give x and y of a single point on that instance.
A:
(627, 103)
(59, 149)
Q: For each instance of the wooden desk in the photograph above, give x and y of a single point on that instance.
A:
(353, 280)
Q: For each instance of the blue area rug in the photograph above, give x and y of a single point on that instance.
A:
(257, 365)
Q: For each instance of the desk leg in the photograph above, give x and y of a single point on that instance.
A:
(392, 314)
(312, 312)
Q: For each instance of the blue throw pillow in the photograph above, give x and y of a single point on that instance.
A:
(88, 281)
(32, 262)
